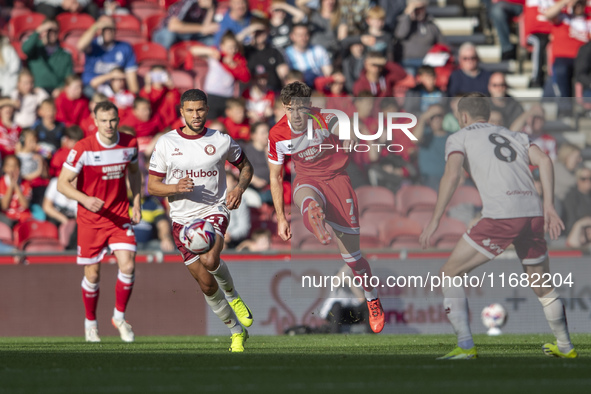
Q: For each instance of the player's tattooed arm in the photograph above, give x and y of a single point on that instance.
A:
(234, 196)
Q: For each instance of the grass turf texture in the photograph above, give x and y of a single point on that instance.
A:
(299, 364)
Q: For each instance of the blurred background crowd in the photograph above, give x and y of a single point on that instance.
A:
(59, 58)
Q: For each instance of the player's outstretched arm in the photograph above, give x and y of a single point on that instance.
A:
(447, 187)
(552, 222)
(234, 196)
(64, 186)
(135, 184)
(276, 178)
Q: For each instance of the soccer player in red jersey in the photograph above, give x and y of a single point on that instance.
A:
(100, 162)
(191, 161)
(322, 188)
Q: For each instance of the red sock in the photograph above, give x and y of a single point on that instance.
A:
(360, 268)
(123, 290)
(90, 296)
(305, 205)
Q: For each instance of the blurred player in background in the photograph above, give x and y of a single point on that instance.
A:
(191, 160)
(321, 185)
(100, 162)
(513, 213)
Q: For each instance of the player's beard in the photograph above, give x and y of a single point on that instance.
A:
(194, 129)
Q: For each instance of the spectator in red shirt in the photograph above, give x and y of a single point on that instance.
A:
(145, 124)
(15, 193)
(71, 135)
(236, 122)
(9, 130)
(378, 76)
(72, 107)
(571, 28)
(159, 89)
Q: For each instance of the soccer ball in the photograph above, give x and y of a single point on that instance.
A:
(198, 236)
(494, 317)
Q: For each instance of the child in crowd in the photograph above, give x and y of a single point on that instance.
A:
(259, 98)
(160, 91)
(71, 135)
(113, 86)
(15, 193)
(71, 105)
(9, 130)
(425, 94)
(27, 98)
(33, 165)
(236, 122)
(49, 131)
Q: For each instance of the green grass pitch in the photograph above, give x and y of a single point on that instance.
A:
(299, 364)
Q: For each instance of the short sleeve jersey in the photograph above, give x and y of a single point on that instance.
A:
(498, 161)
(201, 157)
(321, 156)
(101, 173)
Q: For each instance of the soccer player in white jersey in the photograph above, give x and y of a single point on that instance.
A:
(191, 161)
(512, 213)
(100, 162)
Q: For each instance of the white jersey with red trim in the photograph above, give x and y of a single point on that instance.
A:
(201, 157)
(101, 173)
(498, 161)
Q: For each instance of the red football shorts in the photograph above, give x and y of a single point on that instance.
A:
(220, 224)
(339, 200)
(93, 243)
(492, 236)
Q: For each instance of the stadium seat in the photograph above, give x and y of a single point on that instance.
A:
(182, 80)
(43, 245)
(415, 197)
(65, 232)
(403, 231)
(20, 25)
(34, 230)
(151, 23)
(78, 57)
(260, 7)
(150, 53)
(144, 9)
(166, 3)
(19, 9)
(465, 195)
(375, 199)
(448, 233)
(421, 217)
(73, 24)
(130, 37)
(5, 234)
(127, 22)
(179, 51)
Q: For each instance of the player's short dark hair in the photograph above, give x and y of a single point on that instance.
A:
(74, 133)
(293, 90)
(193, 95)
(106, 106)
(476, 105)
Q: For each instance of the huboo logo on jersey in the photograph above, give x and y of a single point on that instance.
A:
(344, 133)
(179, 174)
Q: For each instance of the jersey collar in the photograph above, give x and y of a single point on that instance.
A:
(105, 145)
(191, 137)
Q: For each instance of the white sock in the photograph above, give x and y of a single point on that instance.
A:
(90, 324)
(371, 295)
(219, 305)
(224, 278)
(117, 315)
(554, 311)
(456, 307)
(89, 287)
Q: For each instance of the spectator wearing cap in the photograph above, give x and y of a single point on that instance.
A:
(379, 76)
(312, 60)
(260, 53)
(418, 33)
(51, 8)
(259, 98)
(188, 20)
(509, 108)
(104, 53)
(49, 63)
(236, 19)
(469, 77)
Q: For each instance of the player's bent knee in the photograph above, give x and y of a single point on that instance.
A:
(210, 262)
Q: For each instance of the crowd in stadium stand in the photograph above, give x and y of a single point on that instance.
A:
(58, 59)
